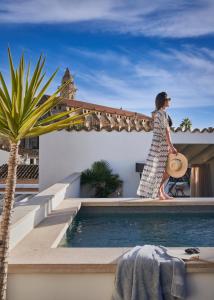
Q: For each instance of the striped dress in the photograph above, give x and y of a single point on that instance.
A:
(157, 158)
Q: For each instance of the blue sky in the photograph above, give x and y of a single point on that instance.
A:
(121, 52)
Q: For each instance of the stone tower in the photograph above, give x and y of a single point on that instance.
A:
(70, 90)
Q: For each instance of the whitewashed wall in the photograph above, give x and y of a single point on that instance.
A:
(63, 153)
(88, 286)
(4, 156)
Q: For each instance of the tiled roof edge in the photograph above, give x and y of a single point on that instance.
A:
(103, 108)
(109, 129)
(195, 130)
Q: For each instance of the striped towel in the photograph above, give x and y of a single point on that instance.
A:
(149, 273)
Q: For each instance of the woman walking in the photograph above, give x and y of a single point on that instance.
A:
(154, 173)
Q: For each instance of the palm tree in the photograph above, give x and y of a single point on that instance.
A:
(100, 178)
(22, 115)
(186, 124)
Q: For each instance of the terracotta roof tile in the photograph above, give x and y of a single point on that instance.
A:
(108, 129)
(121, 112)
(102, 108)
(195, 130)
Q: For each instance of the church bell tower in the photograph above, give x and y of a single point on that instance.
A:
(70, 90)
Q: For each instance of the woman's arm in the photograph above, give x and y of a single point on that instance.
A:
(169, 142)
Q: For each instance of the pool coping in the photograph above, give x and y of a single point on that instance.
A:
(145, 202)
(38, 251)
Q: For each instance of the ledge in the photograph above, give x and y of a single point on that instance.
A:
(145, 202)
(197, 267)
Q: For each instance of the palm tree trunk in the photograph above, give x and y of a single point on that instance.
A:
(6, 218)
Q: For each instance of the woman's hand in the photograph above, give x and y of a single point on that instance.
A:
(173, 150)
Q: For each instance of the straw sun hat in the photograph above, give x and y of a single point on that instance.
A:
(177, 165)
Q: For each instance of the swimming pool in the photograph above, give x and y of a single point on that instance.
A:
(173, 228)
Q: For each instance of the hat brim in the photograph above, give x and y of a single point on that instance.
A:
(181, 172)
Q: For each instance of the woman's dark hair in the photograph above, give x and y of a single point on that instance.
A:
(169, 121)
(159, 103)
(160, 100)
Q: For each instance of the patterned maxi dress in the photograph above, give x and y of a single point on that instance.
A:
(157, 158)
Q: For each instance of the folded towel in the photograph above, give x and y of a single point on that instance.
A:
(149, 273)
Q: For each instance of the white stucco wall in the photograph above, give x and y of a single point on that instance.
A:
(4, 156)
(88, 286)
(63, 153)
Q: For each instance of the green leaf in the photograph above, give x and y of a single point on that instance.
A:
(3, 106)
(70, 121)
(3, 121)
(4, 129)
(4, 100)
(41, 93)
(38, 74)
(53, 98)
(35, 115)
(40, 130)
(5, 92)
(7, 117)
(19, 98)
(13, 75)
(29, 93)
(56, 117)
(27, 78)
(21, 112)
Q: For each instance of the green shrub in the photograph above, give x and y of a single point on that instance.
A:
(101, 179)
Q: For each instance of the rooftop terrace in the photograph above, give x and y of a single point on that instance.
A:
(38, 226)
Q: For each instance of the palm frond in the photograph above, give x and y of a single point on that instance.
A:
(57, 116)
(4, 93)
(40, 130)
(22, 114)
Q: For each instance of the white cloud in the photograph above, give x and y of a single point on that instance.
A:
(163, 18)
(103, 56)
(45, 11)
(131, 80)
(186, 75)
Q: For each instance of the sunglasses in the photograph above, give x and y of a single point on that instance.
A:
(193, 250)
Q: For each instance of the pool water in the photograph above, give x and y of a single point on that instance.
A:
(130, 229)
